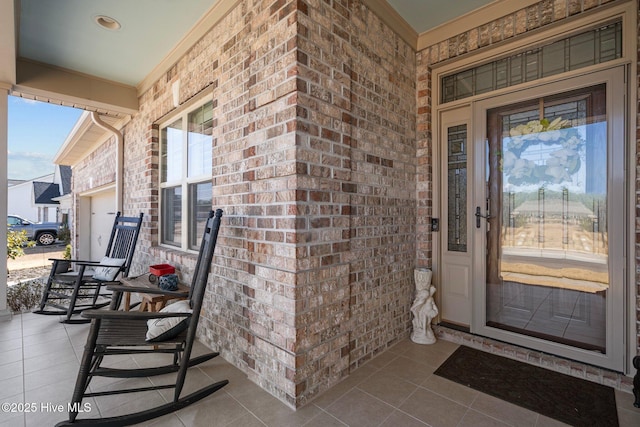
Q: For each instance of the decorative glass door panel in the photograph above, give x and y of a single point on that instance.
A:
(547, 237)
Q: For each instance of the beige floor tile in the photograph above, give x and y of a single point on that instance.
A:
(509, 413)
(247, 420)
(388, 388)
(398, 418)
(219, 409)
(337, 391)
(382, 360)
(628, 418)
(11, 386)
(12, 420)
(625, 400)
(324, 419)
(10, 356)
(40, 349)
(452, 390)
(107, 403)
(54, 402)
(169, 420)
(410, 370)
(135, 402)
(283, 416)
(10, 370)
(55, 335)
(61, 372)
(12, 344)
(357, 408)
(433, 409)
(432, 354)
(7, 333)
(550, 422)
(476, 419)
(12, 415)
(49, 360)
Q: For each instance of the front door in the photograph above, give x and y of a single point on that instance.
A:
(542, 264)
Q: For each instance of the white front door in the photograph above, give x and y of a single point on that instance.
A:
(533, 236)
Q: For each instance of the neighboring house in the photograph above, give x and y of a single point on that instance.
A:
(36, 199)
(346, 151)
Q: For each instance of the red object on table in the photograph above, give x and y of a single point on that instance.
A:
(161, 269)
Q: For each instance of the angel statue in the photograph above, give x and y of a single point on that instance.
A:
(424, 308)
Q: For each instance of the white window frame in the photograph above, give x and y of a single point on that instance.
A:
(184, 181)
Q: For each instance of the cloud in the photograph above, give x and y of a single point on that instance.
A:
(27, 101)
(29, 165)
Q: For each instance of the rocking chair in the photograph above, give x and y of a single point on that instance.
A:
(81, 289)
(114, 333)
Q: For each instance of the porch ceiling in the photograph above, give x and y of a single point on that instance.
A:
(60, 54)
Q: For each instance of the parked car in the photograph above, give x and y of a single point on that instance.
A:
(44, 233)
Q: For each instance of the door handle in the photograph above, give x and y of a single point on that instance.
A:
(479, 215)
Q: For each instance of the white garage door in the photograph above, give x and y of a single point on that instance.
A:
(103, 212)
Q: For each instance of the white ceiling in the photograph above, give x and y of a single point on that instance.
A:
(63, 32)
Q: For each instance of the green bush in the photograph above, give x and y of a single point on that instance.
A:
(24, 296)
(67, 252)
(64, 234)
(15, 241)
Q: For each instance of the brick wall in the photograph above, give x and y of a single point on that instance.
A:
(355, 190)
(97, 169)
(314, 167)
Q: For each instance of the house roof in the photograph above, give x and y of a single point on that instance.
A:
(65, 178)
(44, 192)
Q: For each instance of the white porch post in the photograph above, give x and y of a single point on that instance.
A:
(5, 313)
(7, 79)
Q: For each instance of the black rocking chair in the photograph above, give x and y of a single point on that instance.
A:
(70, 292)
(115, 333)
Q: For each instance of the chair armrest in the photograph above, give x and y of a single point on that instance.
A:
(144, 290)
(129, 315)
(75, 260)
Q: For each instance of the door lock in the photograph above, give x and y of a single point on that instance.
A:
(479, 215)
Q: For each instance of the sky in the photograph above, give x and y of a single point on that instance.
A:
(36, 132)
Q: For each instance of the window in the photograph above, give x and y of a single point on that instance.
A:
(185, 176)
(582, 50)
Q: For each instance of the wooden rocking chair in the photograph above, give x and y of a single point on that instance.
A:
(68, 293)
(115, 333)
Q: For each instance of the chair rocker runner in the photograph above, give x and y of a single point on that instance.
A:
(114, 333)
(68, 293)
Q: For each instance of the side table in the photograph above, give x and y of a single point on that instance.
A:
(151, 302)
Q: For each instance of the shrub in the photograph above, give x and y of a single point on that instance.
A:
(64, 234)
(15, 241)
(24, 295)
(67, 252)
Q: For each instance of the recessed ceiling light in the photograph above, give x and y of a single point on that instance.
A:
(107, 22)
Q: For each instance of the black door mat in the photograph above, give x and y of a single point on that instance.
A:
(565, 398)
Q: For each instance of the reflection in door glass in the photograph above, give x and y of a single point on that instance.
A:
(547, 262)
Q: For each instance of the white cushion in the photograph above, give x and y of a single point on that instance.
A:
(108, 273)
(169, 327)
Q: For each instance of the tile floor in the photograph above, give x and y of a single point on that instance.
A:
(39, 362)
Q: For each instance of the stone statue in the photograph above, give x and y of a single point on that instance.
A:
(424, 308)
